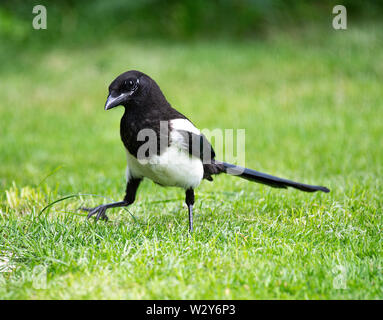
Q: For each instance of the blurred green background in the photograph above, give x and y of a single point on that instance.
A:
(83, 21)
(309, 97)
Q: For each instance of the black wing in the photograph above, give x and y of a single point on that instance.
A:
(198, 146)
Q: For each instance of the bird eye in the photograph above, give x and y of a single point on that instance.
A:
(129, 84)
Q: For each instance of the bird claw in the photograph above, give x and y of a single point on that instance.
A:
(99, 211)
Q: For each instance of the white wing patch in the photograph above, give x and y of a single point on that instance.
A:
(177, 138)
(184, 124)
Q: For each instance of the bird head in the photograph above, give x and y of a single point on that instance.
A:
(128, 87)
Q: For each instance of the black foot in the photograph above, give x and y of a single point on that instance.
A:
(99, 211)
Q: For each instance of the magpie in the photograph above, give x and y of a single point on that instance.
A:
(179, 155)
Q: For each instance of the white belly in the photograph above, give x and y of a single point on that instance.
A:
(174, 167)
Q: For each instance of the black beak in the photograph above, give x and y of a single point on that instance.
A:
(112, 102)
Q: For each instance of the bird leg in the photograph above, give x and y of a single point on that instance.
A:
(130, 196)
(100, 210)
(189, 202)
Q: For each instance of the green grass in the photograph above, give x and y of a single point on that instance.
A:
(312, 106)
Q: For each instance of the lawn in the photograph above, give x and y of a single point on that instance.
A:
(311, 104)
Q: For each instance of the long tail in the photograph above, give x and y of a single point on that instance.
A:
(267, 179)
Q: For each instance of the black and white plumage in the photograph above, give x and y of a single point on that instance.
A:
(183, 157)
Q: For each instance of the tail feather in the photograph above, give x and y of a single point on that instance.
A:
(267, 179)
